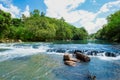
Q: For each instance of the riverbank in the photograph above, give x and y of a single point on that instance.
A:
(10, 40)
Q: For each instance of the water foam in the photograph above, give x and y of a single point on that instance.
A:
(26, 49)
(19, 51)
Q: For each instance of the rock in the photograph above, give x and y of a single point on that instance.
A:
(20, 41)
(66, 57)
(68, 60)
(70, 63)
(61, 51)
(73, 59)
(82, 57)
(108, 54)
(92, 77)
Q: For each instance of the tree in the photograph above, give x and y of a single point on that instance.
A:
(35, 13)
(5, 22)
(38, 27)
(111, 31)
(42, 14)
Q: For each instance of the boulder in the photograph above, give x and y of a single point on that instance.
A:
(70, 63)
(82, 57)
(68, 60)
(74, 60)
(66, 57)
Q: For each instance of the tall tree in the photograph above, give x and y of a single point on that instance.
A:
(5, 22)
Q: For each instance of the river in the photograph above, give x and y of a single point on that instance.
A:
(44, 60)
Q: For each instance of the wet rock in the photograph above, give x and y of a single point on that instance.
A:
(70, 63)
(92, 77)
(61, 51)
(71, 51)
(74, 60)
(78, 51)
(92, 53)
(66, 57)
(108, 54)
(51, 50)
(82, 57)
(68, 60)
(89, 53)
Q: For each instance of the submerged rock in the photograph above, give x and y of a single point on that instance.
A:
(82, 57)
(92, 77)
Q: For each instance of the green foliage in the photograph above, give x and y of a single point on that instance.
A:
(5, 22)
(38, 27)
(16, 22)
(111, 31)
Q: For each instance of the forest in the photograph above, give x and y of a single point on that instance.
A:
(111, 30)
(38, 27)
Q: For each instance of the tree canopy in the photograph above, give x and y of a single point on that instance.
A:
(110, 31)
(38, 27)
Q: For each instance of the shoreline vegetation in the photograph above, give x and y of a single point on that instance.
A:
(111, 30)
(37, 27)
(40, 28)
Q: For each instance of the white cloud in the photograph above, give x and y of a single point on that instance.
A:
(14, 10)
(110, 5)
(92, 27)
(63, 8)
(90, 20)
(27, 11)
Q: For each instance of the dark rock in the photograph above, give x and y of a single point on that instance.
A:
(78, 51)
(82, 57)
(108, 54)
(89, 53)
(66, 57)
(92, 77)
(61, 51)
(71, 51)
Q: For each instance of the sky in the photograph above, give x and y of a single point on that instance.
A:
(90, 14)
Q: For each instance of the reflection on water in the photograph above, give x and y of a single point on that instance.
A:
(43, 61)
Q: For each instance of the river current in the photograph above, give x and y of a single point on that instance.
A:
(44, 61)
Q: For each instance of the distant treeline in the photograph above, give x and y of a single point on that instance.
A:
(38, 27)
(110, 31)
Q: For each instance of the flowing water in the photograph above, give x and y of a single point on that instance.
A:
(44, 61)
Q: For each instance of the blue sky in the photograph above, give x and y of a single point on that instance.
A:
(90, 14)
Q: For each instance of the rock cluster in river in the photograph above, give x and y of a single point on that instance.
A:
(68, 60)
